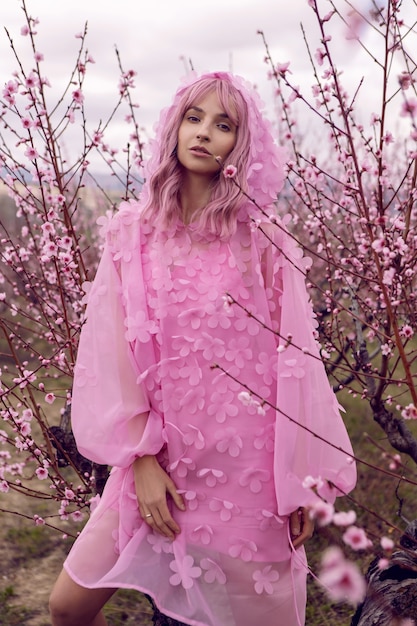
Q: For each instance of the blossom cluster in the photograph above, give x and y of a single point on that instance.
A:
(355, 212)
(49, 248)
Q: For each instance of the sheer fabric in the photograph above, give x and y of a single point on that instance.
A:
(201, 350)
(157, 338)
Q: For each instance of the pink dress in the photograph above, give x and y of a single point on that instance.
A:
(162, 335)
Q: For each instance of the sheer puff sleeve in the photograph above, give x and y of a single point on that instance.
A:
(312, 445)
(112, 420)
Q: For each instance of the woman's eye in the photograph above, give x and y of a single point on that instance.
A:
(193, 118)
(224, 127)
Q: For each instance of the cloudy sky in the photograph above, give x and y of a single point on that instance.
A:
(157, 38)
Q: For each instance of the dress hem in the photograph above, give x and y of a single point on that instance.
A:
(165, 611)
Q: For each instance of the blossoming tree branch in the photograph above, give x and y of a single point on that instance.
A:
(350, 203)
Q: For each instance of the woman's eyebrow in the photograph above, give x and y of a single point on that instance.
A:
(199, 110)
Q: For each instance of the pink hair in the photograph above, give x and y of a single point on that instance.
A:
(162, 204)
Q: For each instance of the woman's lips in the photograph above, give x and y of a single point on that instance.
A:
(200, 151)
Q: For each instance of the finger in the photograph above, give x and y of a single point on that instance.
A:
(302, 538)
(164, 523)
(307, 529)
(155, 522)
(177, 497)
(295, 524)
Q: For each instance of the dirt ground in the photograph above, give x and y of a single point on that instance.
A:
(31, 558)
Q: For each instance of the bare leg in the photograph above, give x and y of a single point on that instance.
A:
(72, 605)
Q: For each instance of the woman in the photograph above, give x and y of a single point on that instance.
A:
(198, 326)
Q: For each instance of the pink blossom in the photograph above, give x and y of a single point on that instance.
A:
(38, 56)
(320, 55)
(355, 23)
(42, 473)
(388, 276)
(406, 331)
(356, 538)
(25, 429)
(409, 412)
(31, 81)
(312, 483)
(245, 398)
(48, 228)
(387, 543)
(342, 579)
(406, 80)
(77, 516)
(97, 137)
(50, 398)
(26, 122)
(49, 250)
(39, 521)
(386, 349)
(27, 377)
(322, 512)
(344, 518)
(31, 153)
(27, 415)
(78, 96)
(24, 31)
(229, 171)
(328, 16)
(11, 87)
(4, 486)
(282, 68)
(409, 107)
(395, 462)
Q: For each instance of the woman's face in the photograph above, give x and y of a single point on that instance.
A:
(205, 132)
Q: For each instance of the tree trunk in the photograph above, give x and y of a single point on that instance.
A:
(392, 592)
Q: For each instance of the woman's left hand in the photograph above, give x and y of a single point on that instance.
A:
(301, 527)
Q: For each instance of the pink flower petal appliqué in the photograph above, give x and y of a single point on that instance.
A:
(185, 572)
(214, 572)
(264, 579)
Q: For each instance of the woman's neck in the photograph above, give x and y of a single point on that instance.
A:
(194, 195)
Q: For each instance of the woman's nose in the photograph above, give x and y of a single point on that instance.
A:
(203, 132)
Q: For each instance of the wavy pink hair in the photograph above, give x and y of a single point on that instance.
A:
(259, 162)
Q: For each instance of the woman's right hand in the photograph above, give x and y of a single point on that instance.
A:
(152, 485)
